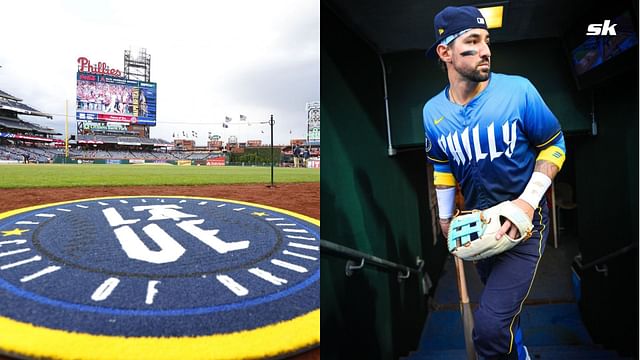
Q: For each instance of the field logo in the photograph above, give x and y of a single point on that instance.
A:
(602, 29)
(170, 250)
(161, 268)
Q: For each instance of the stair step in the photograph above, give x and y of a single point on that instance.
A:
(566, 347)
(454, 354)
(586, 352)
(570, 352)
(543, 325)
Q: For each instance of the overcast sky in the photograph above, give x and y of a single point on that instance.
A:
(210, 59)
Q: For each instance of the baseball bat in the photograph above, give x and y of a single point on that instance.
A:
(465, 309)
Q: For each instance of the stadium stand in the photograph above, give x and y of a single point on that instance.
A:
(12, 103)
(22, 141)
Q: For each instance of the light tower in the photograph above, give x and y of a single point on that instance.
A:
(138, 68)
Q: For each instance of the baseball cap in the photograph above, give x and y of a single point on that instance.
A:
(452, 20)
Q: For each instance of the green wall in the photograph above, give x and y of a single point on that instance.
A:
(370, 202)
(607, 198)
(413, 79)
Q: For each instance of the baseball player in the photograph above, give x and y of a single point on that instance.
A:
(493, 135)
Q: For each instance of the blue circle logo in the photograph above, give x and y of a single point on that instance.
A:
(158, 267)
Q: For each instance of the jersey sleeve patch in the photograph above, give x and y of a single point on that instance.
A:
(554, 155)
(441, 178)
(442, 175)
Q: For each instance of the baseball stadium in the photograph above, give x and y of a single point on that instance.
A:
(456, 105)
(118, 245)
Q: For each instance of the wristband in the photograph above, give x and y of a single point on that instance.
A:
(535, 189)
(446, 202)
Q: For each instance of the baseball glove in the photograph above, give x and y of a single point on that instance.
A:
(472, 234)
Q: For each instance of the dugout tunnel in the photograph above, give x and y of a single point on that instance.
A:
(374, 188)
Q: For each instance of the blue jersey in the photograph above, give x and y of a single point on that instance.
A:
(491, 143)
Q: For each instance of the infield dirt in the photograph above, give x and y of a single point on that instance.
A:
(303, 198)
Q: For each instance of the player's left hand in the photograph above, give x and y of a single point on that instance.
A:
(508, 227)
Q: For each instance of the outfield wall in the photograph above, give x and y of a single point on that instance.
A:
(311, 163)
(63, 160)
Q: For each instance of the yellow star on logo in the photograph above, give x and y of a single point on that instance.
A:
(15, 231)
(259, 213)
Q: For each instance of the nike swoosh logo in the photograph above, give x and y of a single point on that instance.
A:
(437, 121)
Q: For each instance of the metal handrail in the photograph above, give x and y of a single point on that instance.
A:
(603, 259)
(404, 272)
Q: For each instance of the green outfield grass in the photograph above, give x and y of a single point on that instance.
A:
(19, 176)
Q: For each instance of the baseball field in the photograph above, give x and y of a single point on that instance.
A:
(295, 190)
(23, 176)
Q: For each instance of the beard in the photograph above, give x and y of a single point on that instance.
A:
(474, 74)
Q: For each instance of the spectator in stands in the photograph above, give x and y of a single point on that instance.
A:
(306, 156)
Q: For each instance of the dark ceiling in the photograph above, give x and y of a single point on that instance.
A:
(391, 26)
